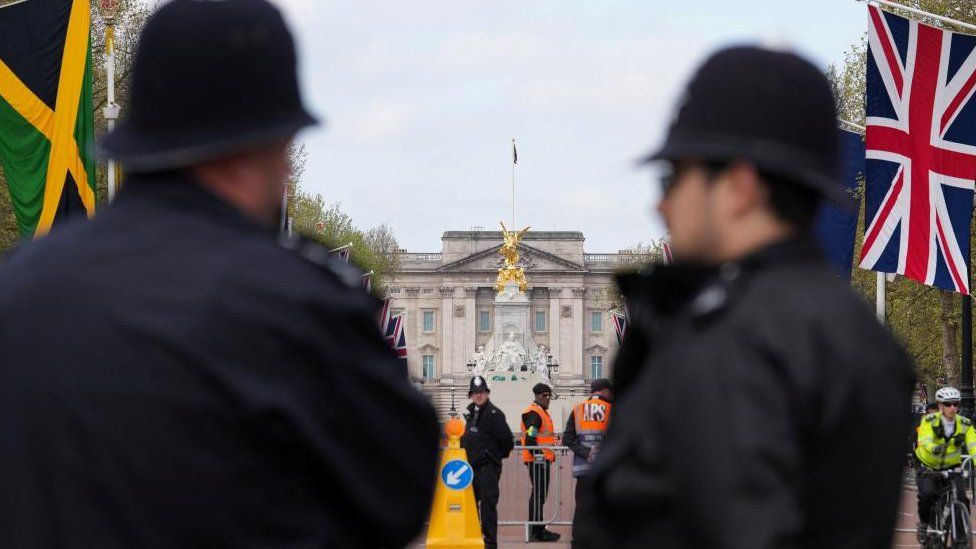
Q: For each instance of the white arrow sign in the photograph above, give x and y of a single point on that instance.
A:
(455, 477)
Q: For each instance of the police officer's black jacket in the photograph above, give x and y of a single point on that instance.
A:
(759, 405)
(171, 376)
(487, 437)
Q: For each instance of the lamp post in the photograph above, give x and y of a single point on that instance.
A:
(111, 110)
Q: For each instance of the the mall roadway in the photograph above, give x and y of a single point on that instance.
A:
(513, 536)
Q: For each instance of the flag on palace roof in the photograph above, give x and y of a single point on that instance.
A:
(921, 151)
(47, 129)
(666, 256)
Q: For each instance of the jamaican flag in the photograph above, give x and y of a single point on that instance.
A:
(46, 125)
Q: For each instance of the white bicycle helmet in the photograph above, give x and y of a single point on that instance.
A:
(947, 394)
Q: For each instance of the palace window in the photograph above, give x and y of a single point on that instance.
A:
(484, 321)
(596, 367)
(429, 367)
(540, 321)
(596, 321)
(428, 322)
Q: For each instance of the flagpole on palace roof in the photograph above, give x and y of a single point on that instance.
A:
(514, 162)
(111, 110)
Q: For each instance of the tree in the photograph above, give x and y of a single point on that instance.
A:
(375, 249)
(925, 319)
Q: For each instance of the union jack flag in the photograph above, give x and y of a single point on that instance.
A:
(619, 325)
(384, 314)
(390, 332)
(401, 339)
(368, 282)
(342, 252)
(920, 151)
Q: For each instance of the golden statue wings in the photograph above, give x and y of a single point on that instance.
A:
(509, 250)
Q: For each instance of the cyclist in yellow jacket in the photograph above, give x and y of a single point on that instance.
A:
(943, 437)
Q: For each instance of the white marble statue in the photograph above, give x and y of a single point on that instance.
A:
(482, 361)
(511, 355)
(540, 363)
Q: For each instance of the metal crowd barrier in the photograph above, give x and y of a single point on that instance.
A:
(516, 491)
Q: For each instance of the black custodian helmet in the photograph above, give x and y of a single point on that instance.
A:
(478, 385)
(772, 108)
(209, 79)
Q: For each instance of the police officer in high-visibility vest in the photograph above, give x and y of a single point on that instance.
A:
(584, 432)
(943, 437)
(537, 430)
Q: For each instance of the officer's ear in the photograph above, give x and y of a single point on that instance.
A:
(741, 189)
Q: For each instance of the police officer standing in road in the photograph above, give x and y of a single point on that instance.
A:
(171, 375)
(537, 430)
(584, 433)
(487, 440)
(752, 379)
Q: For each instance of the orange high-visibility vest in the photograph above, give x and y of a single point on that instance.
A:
(546, 436)
(592, 417)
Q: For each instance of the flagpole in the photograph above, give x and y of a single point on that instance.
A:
(514, 162)
(880, 297)
(922, 13)
(111, 110)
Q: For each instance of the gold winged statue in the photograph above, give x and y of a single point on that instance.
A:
(509, 250)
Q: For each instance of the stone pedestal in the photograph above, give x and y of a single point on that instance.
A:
(512, 316)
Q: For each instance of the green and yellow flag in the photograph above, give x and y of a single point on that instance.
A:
(46, 128)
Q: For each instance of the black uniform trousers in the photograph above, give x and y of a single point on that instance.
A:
(930, 485)
(486, 478)
(539, 477)
(582, 504)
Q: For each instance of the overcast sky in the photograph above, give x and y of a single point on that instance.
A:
(422, 98)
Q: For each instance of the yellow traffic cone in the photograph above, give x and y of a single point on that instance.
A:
(454, 516)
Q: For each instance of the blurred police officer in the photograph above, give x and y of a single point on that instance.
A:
(172, 376)
(538, 430)
(753, 380)
(584, 433)
(488, 440)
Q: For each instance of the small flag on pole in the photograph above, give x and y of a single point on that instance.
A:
(342, 252)
(666, 256)
(401, 339)
(389, 333)
(383, 315)
(619, 325)
(514, 153)
(368, 282)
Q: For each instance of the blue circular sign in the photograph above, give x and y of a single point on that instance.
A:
(457, 474)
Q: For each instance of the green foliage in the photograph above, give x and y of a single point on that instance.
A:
(925, 319)
(375, 249)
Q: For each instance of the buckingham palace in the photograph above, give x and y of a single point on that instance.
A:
(455, 313)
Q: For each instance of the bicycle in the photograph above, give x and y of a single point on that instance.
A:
(949, 525)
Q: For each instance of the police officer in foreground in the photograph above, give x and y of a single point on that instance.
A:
(537, 430)
(584, 433)
(943, 437)
(753, 382)
(172, 376)
(487, 440)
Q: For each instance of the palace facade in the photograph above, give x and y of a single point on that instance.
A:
(448, 299)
